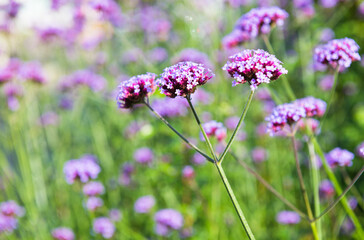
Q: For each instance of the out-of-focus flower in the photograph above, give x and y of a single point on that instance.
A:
(32, 71)
(7, 224)
(305, 7)
(157, 55)
(337, 52)
(360, 150)
(192, 55)
(361, 8)
(115, 215)
(109, 10)
(326, 189)
(12, 91)
(326, 82)
(328, 3)
(104, 226)
(188, 172)
(125, 177)
(263, 94)
(288, 217)
(232, 122)
(12, 8)
(48, 118)
(56, 4)
(259, 154)
(233, 39)
(168, 107)
(309, 123)
(94, 203)
(83, 78)
(144, 204)
(202, 97)
(198, 159)
(327, 34)
(11, 209)
(167, 220)
(287, 113)
(93, 189)
(84, 169)
(313, 106)
(135, 90)
(213, 128)
(347, 227)
(339, 157)
(254, 67)
(49, 34)
(183, 78)
(63, 233)
(353, 203)
(144, 155)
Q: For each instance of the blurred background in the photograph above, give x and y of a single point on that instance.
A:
(60, 64)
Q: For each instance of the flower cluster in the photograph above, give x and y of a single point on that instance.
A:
(256, 21)
(167, 220)
(144, 155)
(83, 169)
(339, 157)
(288, 217)
(91, 190)
(104, 226)
(360, 150)
(188, 172)
(109, 10)
(337, 52)
(326, 189)
(312, 106)
(135, 90)
(144, 204)
(9, 211)
(213, 128)
(63, 233)
(254, 67)
(83, 78)
(183, 78)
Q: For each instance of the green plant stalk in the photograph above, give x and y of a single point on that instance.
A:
(338, 190)
(315, 185)
(303, 188)
(237, 128)
(354, 190)
(224, 179)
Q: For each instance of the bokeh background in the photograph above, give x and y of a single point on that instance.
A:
(74, 58)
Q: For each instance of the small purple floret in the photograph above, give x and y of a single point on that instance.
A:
(104, 226)
(84, 169)
(339, 157)
(63, 233)
(167, 220)
(144, 204)
(288, 217)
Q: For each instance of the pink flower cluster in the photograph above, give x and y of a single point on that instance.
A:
(144, 204)
(63, 233)
(339, 157)
(167, 220)
(254, 67)
(109, 10)
(83, 78)
(135, 90)
(9, 211)
(104, 226)
(288, 217)
(84, 169)
(183, 78)
(256, 21)
(337, 52)
(312, 106)
(213, 128)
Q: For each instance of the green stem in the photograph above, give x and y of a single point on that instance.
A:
(315, 185)
(303, 188)
(237, 128)
(338, 190)
(288, 88)
(223, 177)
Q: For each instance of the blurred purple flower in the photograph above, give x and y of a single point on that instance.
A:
(12, 8)
(305, 6)
(215, 129)
(361, 8)
(7, 224)
(48, 119)
(326, 82)
(84, 169)
(11, 209)
(360, 150)
(135, 90)
(125, 177)
(309, 123)
(347, 226)
(202, 96)
(83, 78)
(192, 55)
(255, 67)
(12, 91)
(63, 233)
(93, 188)
(144, 204)
(339, 157)
(104, 226)
(183, 78)
(326, 189)
(188, 172)
(328, 3)
(337, 52)
(49, 34)
(263, 94)
(109, 10)
(198, 159)
(167, 220)
(353, 203)
(115, 215)
(288, 217)
(56, 4)
(327, 34)
(157, 55)
(168, 107)
(259, 154)
(144, 155)
(94, 203)
(232, 122)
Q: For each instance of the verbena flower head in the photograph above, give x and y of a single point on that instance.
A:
(93, 189)
(11, 209)
(83, 78)
(198, 159)
(260, 21)
(167, 220)
(337, 52)
(32, 71)
(144, 155)
(94, 203)
(288, 217)
(312, 106)
(63, 233)
(109, 9)
(259, 154)
(115, 215)
(104, 226)
(183, 78)
(326, 189)
(7, 224)
(135, 90)
(144, 204)
(188, 172)
(360, 150)
(84, 169)
(284, 114)
(339, 157)
(254, 67)
(213, 128)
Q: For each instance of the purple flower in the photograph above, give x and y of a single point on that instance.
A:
(288, 217)
(326, 189)
(328, 3)
(125, 177)
(32, 71)
(143, 155)
(49, 34)
(83, 169)
(284, 114)
(188, 172)
(312, 106)
(339, 157)
(360, 150)
(337, 52)
(167, 220)
(63, 233)
(11, 209)
(183, 78)
(83, 78)
(94, 203)
(353, 203)
(144, 204)
(104, 226)
(309, 123)
(327, 34)
(12, 8)
(255, 67)
(7, 224)
(12, 91)
(109, 10)
(198, 159)
(168, 107)
(48, 118)
(93, 189)
(192, 55)
(232, 122)
(213, 128)
(158, 54)
(326, 82)
(135, 90)
(305, 6)
(259, 154)
(234, 38)
(115, 215)
(361, 8)
(202, 96)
